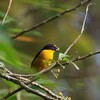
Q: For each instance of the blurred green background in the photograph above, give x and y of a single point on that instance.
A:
(18, 53)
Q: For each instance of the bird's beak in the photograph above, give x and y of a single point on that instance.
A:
(57, 49)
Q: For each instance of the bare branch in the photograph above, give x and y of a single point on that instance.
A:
(47, 90)
(2, 66)
(9, 6)
(50, 19)
(26, 81)
(86, 56)
(82, 30)
(11, 93)
(28, 89)
(83, 57)
(48, 70)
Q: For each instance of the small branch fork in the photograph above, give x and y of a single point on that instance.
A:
(51, 19)
(23, 81)
(8, 9)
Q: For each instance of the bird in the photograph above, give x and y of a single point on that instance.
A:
(44, 57)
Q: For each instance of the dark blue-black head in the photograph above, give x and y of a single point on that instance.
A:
(51, 47)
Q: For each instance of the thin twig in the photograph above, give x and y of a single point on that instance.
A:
(37, 92)
(9, 6)
(27, 81)
(50, 68)
(18, 96)
(82, 30)
(84, 57)
(50, 19)
(2, 66)
(11, 93)
(36, 74)
(56, 65)
(47, 90)
(27, 88)
(84, 21)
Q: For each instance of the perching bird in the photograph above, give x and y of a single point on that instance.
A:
(44, 58)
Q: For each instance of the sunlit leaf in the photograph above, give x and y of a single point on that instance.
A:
(37, 33)
(15, 30)
(7, 52)
(63, 57)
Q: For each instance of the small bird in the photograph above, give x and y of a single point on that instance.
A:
(44, 58)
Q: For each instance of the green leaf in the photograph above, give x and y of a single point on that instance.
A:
(15, 30)
(63, 57)
(37, 33)
(7, 52)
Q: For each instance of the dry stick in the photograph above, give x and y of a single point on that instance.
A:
(50, 19)
(34, 75)
(83, 57)
(9, 6)
(11, 93)
(37, 92)
(47, 70)
(47, 90)
(27, 81)
(82, 30)
(86, 56)
(27, 88)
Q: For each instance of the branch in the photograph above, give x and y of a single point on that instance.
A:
(9, 6)
(28, 89)
(83, 57)
(23, 82)
(31, 90)
(51, 19)
(70, 46)
(49, 92)
(86, 56)
(82, 30)
(50, 68)
(11, 93)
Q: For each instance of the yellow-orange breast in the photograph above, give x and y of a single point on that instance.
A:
(43, 60)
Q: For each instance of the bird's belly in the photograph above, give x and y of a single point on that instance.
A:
(44, 60)
(41, 64)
